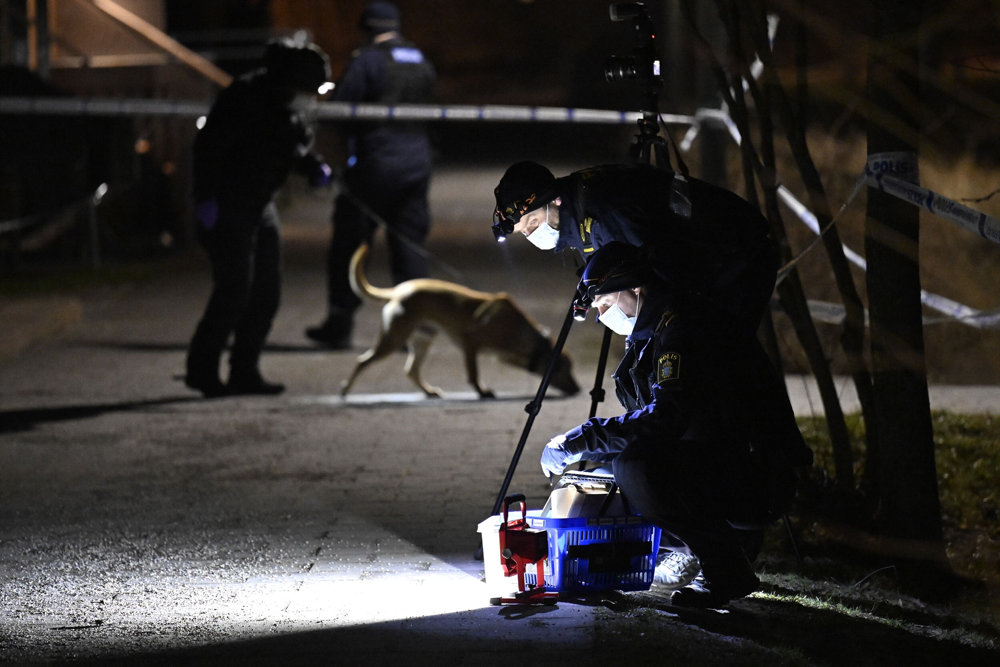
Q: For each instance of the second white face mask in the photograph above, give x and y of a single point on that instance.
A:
(544, 237)
(615, 319)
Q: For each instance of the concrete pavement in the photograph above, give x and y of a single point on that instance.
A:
(139, 518)
(142, 524)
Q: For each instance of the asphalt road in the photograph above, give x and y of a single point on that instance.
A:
(138, 517)
(140, 523)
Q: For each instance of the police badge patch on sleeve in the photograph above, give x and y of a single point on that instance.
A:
(668, 367)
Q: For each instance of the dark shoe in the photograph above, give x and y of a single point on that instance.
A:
(704, 594)
(243, 385)
(209, 386)
(334, 333)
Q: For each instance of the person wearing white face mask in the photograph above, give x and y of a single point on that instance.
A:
(618, 311)
(706, 241)
(707, 447)
(542, 234)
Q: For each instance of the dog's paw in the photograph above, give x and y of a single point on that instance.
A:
(432, 392)
(486, 393)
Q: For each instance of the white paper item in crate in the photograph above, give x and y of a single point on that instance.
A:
(569, 502)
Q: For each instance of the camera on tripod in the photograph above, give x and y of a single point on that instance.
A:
(644, 65)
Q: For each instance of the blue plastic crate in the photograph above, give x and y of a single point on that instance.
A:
(588, 554)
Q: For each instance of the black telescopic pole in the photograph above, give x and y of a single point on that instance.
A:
(533, 408)
(597, 393)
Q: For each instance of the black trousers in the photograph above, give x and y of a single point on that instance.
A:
(245, 253)
(698, 493)
(403, 207)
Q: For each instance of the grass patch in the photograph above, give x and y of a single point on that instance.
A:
(967, 455)
(967, 452)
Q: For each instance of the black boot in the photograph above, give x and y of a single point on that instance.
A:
(203, 375)
(250, 382)
(335, 331)
(715, 590)
(210, 386)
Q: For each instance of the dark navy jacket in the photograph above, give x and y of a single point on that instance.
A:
(391, 72)
(684, 377)
(705, 243)
(641, 204)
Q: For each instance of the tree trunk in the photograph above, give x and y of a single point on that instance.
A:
(909, 509)
(790, 290)
(853, 335)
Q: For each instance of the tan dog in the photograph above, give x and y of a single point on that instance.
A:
(476, 321)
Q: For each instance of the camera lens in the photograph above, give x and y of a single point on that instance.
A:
(621, 68)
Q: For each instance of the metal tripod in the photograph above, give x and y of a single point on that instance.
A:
(597, 395)
(646, 145)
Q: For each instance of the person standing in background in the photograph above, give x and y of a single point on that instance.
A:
(388, 170)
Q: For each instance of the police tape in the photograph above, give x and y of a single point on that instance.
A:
(953, 310)
(889, 164)
(93, 106)
(876, 176)
(332, 111)
(834, 313)
(883, 171)
(810, 220)
(485, 112)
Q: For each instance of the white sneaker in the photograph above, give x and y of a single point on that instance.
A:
(675, 569)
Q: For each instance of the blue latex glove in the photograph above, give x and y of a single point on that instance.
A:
(322, 175)
(555, 457)
(207, 214)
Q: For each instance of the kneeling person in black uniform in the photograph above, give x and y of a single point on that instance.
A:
(708, 446)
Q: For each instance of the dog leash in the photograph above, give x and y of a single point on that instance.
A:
(380, 221)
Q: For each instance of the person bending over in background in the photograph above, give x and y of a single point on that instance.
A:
(253, 139)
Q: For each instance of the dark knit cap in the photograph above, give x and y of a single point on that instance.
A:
(378, 17)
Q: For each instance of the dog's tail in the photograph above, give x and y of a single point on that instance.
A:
(359, 283)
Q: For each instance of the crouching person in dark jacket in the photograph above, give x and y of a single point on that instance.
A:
(708, 446)
(254, 137)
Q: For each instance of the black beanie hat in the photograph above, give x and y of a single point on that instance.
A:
(379, 17)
